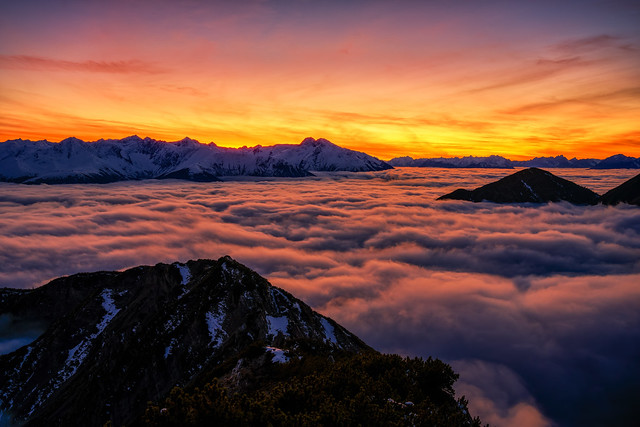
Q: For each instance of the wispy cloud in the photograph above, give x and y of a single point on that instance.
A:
(26, 62)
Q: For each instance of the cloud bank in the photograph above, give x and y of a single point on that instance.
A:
(536, 306)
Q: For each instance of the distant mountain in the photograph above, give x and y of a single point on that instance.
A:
(627, 192)
(619, 161)
(212, 343)
(134, 158)
(614, 162)
(555, 162)
(454, 162)
(528, 185)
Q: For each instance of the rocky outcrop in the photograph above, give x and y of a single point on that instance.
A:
(113, 341)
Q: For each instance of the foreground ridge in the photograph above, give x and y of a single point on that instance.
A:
(113, 341)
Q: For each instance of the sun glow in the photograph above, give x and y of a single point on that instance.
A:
(410, 80)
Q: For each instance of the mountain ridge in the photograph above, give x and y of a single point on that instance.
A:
(617, 161)
(534, 185)
(212, 342)
(133, 158)
(119, 339)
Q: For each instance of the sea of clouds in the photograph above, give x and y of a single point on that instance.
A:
(536, 306)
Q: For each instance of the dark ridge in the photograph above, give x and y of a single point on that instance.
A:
(113, 341)
(627, 192)
(531, 185)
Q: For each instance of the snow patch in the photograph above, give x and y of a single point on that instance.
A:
(329, 332)
(214, 324)
(277, 324)
(167, 350)
(278, 355)
(78, 353)
(185, 272)
(530, 189)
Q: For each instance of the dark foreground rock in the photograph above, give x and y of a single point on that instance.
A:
(114, 341)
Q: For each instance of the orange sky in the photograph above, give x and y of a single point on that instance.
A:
(423, 79)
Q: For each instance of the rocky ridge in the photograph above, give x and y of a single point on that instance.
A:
(115, 340)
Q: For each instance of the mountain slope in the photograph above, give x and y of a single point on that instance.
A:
(618, 161)
(528, 185)
(627, 192)
(116, 340)
(133, 158)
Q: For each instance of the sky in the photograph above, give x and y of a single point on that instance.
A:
(535, 306)
(391, 78)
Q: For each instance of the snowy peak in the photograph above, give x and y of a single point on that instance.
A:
(134, 158)
(115, 340)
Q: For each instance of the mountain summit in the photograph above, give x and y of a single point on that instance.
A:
(531, 185)
(133, 158)
(212, 342)
(115, 340)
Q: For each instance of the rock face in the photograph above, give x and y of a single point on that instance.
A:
(115, 340)
(133, 158)
(528, 186)
(627, 192)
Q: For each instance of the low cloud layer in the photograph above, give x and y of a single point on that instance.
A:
(536, 306)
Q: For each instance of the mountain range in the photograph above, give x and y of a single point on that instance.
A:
(618, 161)
(535, 185)
(133, 158)
(111, 342)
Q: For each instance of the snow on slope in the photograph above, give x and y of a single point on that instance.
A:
(73, 160)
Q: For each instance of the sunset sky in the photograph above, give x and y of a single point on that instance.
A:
(392, 78)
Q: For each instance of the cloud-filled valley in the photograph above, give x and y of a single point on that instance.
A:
(537, 306)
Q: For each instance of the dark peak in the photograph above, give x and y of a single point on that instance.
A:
(187, 141)
(627, 192)
(132, 138)
(320, 142)
(125, 338)
(530, 185)
(72, 140)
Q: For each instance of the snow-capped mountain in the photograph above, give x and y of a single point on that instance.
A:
(132, 158)
(454, 162)
(555, 162)
(113, 341)
(618, 161)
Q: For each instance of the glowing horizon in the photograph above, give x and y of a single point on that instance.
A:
(424, 80)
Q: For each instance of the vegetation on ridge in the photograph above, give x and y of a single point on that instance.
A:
(319, 389)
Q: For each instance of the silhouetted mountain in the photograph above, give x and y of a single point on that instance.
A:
(528, 185)
(627, 192)
(115, 340)
(494, 162)
(619, 161)
(211, 342)
(454, 162)
(134, 158)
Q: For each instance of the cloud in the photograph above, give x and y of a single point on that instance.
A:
(26, 62)
(537, 302)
